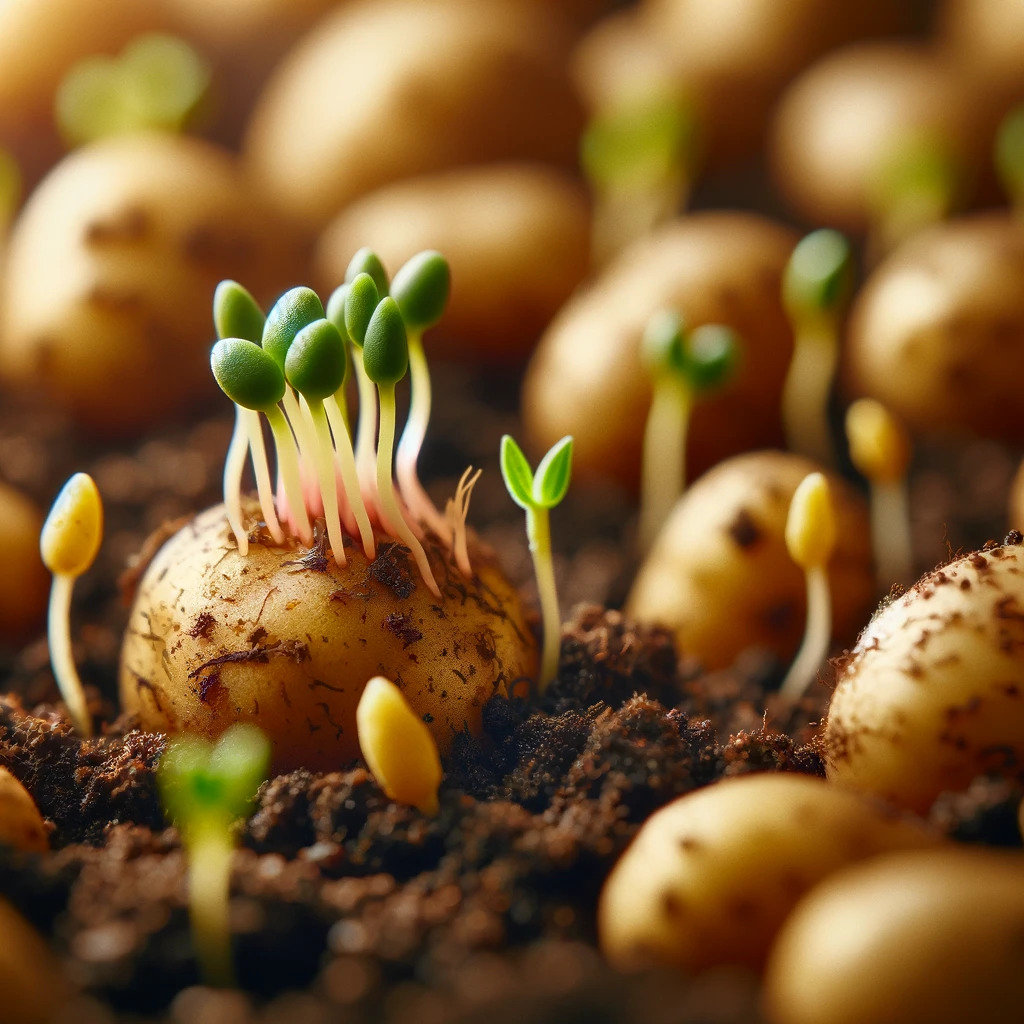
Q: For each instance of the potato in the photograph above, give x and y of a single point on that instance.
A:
(928, 937)
(30, 976)
(40, 40)
(732, 58)
(1015, 511)
(517, 238)
(710, 878)
(586, 377)
(720, 574)
(937, 334)
(24, 581)
(21, 824)
(393, 88)
(986, 38)
(111, 270)
(843, 122)
(214, 638)
(931, 695)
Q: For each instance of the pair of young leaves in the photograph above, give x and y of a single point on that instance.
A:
(541, 490)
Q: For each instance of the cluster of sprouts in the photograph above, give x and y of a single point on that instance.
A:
(292, 366)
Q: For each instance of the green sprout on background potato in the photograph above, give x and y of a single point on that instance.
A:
(10, 188)
(1009, 157)
(157, 82)
(684, 366)
(538, 493)
(205, 788)
(816, 287)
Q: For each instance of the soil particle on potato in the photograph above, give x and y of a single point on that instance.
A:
(986, 812)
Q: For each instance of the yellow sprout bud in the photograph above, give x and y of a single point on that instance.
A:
(21, 824)
(74, 528)
(811, 526)
(398, 747)
(879, 443)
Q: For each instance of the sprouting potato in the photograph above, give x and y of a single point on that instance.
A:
(40, 40)
(30, 977)
(710, 878)
(586, 377)
(24, 581)
(923, 937)
(720, 575)
(21, 824)
(517, 237)
(848, 118)
(426, 86)
(931, 695)
(110, 267)
(731, 59)
(937, 334)
(214, 638)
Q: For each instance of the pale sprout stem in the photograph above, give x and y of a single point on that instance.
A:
(350, 477)
(664, 456)
(264, 486)
(415, 497)
(538, 530)
(288, 463)
(61, 657)
(625, 214)
(817, 632)
(890, 528)
(234, 467)
(209, 896)
(806, 393)
(325, 471)
(397, 524)
(366, 435)
(305, 434)
(456, 513)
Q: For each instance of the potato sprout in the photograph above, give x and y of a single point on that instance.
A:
(69, 543)
(398, 748)
(683, 367)
(10, 189)
(204, 788)
(538, 493)
(810, 539)
(1010, 157)
(815, 289)
(880, 450)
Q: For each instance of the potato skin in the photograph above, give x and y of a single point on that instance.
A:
(827, 163)
(930, 937)
(937, 333)
(24, 581)
(21, 824)
(30, 976)
(111, 269)
(586, 377)
(710, 878)
(426, 86)
(214, 638)
(931, 694)
(720, 575)
(517, 237)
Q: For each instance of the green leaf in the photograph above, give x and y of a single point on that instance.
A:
(236, 314)
(247, 374)
(516, 473)
(713, 354)
(366, 261)
(551, 481)
(386, 347)
(240, 760)
(1009, 154)
(336, 310)
(360, 305)
(664, 343)
(421, 288)
(293, 311)
(317, 360)
(819, 275)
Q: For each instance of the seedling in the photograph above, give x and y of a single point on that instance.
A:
(69, 542)
(1010, 157)
(421, 288)
(537, 494)
(10, 188)
(157, 82)
(205, 789)
(397, 746)
(684, 367)
(810, 539)
(880, 449)
(640, 158)
(815, 291)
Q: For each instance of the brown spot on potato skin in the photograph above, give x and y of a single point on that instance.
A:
(403, 628)
(744, 530)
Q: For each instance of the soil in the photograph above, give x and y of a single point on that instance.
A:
(347, 907)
